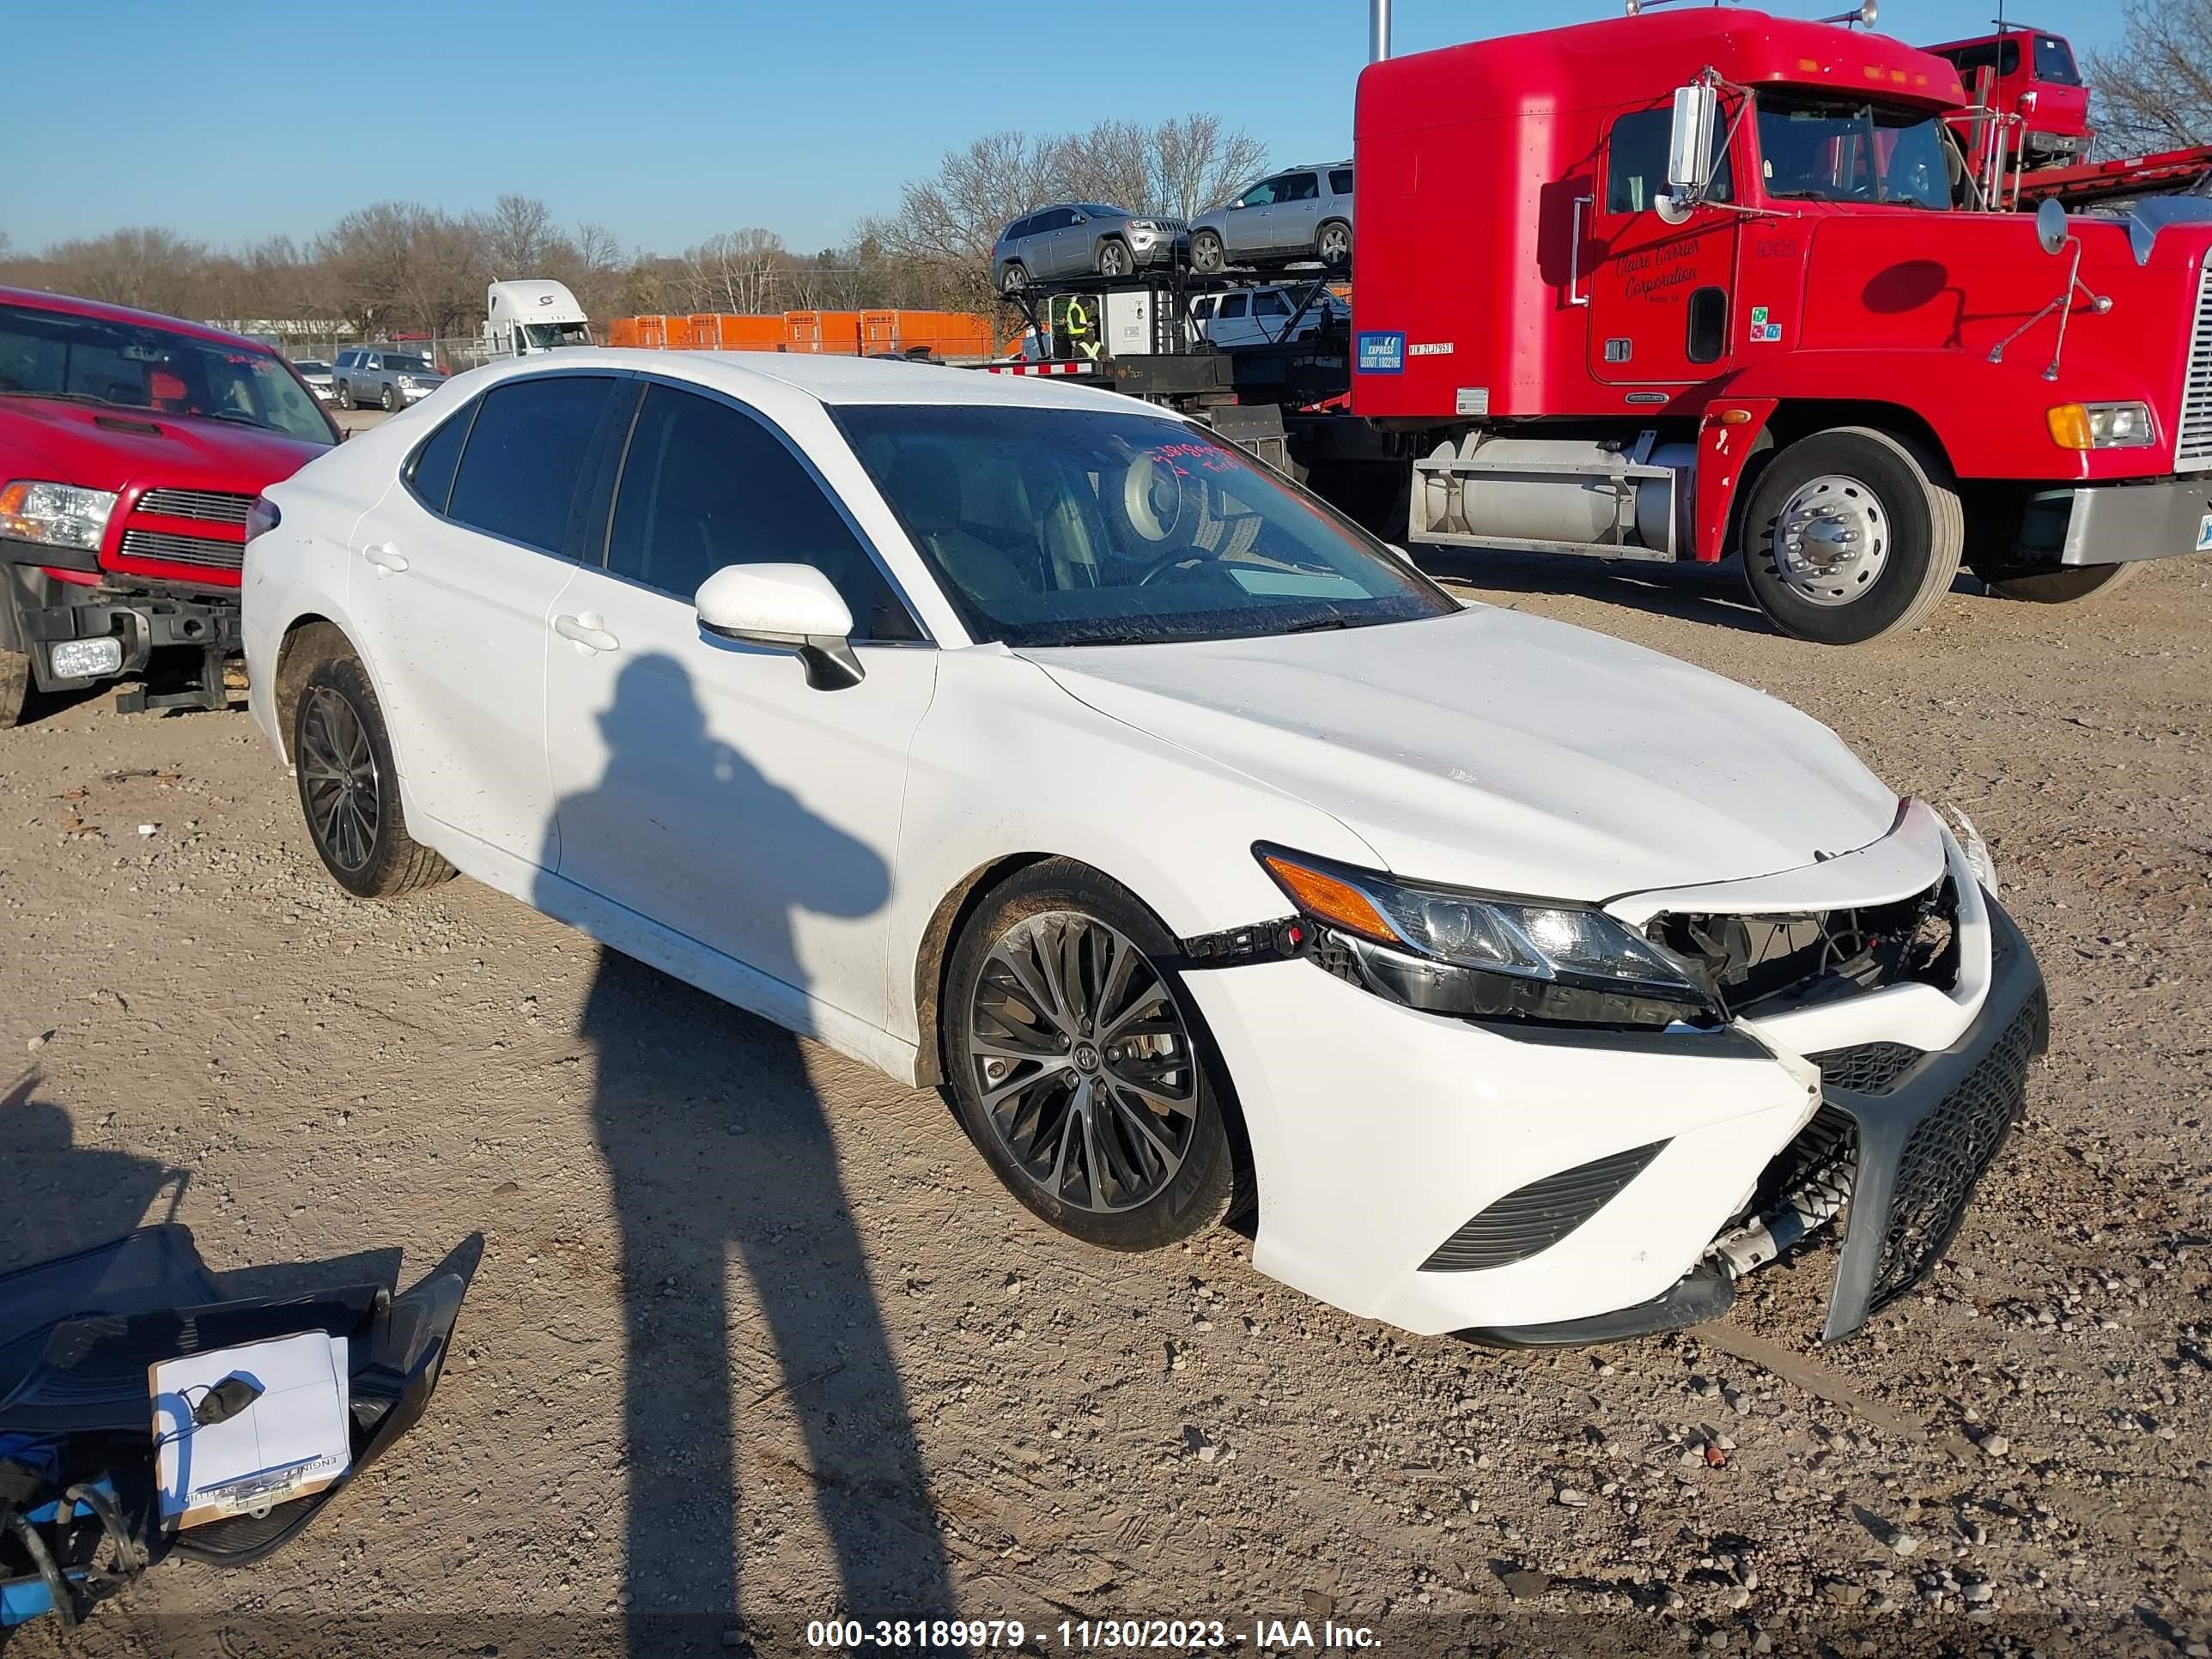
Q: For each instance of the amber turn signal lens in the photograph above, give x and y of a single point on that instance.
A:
(2069, 426)
(1330, 899)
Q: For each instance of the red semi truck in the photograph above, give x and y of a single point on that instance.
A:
(131, 449)
(1684, 284)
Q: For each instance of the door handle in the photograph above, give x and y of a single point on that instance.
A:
(1575, 250)
(586, 631)
(385, 556)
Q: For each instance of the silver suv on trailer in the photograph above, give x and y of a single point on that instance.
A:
(1077, 239)
(384, 375)
(1300, 214)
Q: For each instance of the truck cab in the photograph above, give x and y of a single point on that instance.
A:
(2035, 89)
(523, 318)
(133, 449)
(1705, 283)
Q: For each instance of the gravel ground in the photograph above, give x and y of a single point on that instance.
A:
(757, 1340)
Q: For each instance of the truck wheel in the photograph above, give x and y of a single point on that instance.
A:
(1850, 534)
(345, 394)
(14, 685)
(1333, 244)
(389, 402)
(2084, 581)
(1207, 256)
(1115, 258)
(350, 787)
(1013, 279)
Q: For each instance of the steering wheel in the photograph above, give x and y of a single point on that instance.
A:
(1161, 566)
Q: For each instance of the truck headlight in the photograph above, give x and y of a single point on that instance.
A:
(1446, 951)
(2099, 426)
(56, 514)
(82, 659)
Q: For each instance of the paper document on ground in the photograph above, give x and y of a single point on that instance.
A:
(292, 1440)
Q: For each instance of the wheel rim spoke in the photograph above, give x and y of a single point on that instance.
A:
(1082, 1062)
(338, 778)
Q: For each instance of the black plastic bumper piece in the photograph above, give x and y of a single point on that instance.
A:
(1706, 1293)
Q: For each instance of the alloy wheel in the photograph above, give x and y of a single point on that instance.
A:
(339, 780)
(1114, 260)
(1083, 1063)
(1335, 245)
(1832, 540)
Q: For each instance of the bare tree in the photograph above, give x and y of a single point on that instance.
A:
(1197, 164)
(516, 236)
(739, 271)
(150, 268)
(2153, 90)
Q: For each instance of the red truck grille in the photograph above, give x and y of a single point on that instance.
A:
(163, 548)
(210, 505)
(2193, 448)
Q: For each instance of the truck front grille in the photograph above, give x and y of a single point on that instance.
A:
(2193, 454)
(212, 506)
(183, 550)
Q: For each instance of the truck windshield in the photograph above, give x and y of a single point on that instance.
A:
(1837, 150)
(543, 336)
(1081, 526)
(54, 354)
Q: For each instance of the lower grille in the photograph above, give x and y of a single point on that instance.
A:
(1535, 1217)
(183, 550)
(1947, 1152)
(214, 506)
(1871, 1068)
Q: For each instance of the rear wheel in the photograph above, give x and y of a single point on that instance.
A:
(1115, 258)
(1333, 244)
(2084, 581)
(1851, 534)
(1077, 1065)
(350, 787)
(1013, 279)
(1207, 256)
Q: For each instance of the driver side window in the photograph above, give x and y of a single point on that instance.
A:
(1636, 163)
(1260, 195)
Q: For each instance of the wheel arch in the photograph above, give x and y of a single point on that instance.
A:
(295, 657)
(1795, 418)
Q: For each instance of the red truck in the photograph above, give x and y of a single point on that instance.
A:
(1682, 284)
(131, 449)
(2034, 90)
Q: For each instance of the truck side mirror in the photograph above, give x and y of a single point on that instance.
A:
(1689, 151)
(2051, 226)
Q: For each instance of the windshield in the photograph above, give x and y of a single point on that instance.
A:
(1077, 526)
(309, 366)
(53, 353)
(1833, 149)
(543, 336)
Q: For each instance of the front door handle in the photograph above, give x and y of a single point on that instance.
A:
(587, 632)
(385, 556)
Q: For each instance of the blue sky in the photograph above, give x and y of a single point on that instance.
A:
(668, 120)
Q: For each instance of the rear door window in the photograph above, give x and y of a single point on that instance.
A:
(1300, 187)
(1232, 305)
(430, 474)
(526, 458)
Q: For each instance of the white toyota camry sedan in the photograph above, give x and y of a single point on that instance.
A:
(1502, 978)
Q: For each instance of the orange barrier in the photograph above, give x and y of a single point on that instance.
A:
(829, 333)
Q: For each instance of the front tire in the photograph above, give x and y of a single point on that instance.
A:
(2064, 587)
(345, 394)
(1115, 258)
(350, 787)
(1851, 534)
(391, 400)
(1078, 1064)
(1207, 256)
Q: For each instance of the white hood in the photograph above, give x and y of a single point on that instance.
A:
(1497, 751)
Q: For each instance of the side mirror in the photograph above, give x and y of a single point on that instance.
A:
(791, 606)
(1690, 151)
(2051, 226)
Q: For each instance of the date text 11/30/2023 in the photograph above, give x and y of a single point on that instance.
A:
(1089, 1635)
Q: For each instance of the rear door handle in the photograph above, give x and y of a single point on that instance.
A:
(387, 559)
(586, 631)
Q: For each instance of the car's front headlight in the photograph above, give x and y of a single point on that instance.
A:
(58, 514)
(2099, 426)
(1446, 951)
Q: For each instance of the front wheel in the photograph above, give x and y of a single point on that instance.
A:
(1115, 258)
(2085, 581)
(345, 394)
(1078, 1066)
(1207, 256)
(1851, 534)
(1333, 244)
(350, 787)
(390, 401)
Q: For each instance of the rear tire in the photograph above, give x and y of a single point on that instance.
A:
(1333, 241)
(1014, 278)
(349, 786)
(1208, 257)
(1851, 534)
(1104, 1115)
(14, 685)
(2066, 586)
